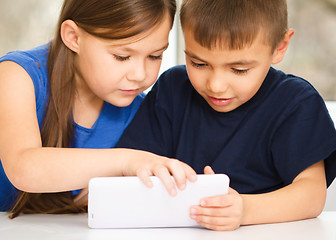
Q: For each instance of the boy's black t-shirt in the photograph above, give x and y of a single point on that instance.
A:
(262, 145)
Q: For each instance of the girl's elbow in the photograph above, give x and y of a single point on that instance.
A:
(20, 175)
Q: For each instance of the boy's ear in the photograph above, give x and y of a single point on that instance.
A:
(70, 33)
(281, 49)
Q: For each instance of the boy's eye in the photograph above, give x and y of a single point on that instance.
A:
(240, 71)
(197, 65)
(121, 58)
(152, 57)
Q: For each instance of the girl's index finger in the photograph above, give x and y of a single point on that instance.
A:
(144, 176)
(190, 173)
(166, 179)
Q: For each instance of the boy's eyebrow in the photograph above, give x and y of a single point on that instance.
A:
(193, 56)
(235, 63)
(242, 63)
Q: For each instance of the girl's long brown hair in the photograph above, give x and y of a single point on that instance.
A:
(109, 19)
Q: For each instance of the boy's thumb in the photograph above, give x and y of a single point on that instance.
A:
(208, 170)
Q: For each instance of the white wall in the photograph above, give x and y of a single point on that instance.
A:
(331, 194)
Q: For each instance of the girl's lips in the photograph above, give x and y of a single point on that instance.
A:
(220, 101)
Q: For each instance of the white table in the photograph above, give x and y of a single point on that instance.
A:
(72, 227)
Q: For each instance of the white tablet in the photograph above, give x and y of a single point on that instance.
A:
(125, 202)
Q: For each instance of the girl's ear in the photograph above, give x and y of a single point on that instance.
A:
(281, 49)
(70, 33)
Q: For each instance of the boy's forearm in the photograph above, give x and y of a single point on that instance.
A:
(302, 199)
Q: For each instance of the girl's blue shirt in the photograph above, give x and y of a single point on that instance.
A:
(105, 133)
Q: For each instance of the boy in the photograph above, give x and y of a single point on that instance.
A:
(230, 112)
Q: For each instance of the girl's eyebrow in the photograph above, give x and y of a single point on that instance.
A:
(132, 50)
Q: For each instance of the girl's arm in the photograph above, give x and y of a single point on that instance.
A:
(33, 168)
(303, 198)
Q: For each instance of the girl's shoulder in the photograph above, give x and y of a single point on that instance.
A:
(37, 57)
(34, 62)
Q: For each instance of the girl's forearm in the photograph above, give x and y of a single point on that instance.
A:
(63, 169)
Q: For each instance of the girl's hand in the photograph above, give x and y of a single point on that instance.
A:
(220, 213)
(148, 164)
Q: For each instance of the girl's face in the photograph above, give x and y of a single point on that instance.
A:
(116, 71)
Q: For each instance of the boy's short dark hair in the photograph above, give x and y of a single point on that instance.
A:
(234, 24)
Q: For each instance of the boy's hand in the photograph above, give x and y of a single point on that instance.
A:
(220, 213)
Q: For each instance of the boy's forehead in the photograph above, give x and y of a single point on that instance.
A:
(220, 44)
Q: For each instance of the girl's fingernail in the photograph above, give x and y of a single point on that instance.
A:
(193, 211)
(193, 178)
(173, 192)
(203, 203)
(183, 187)
(150, 184)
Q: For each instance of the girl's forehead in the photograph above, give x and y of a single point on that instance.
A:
(163, 27)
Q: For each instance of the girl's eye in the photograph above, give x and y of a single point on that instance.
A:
(240, 71)
(152, 57)
(197, 65)
(121, 58)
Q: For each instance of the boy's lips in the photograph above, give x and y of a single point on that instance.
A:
(130, 91)
(220, 101)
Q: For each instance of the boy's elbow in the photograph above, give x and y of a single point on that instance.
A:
(317, 205)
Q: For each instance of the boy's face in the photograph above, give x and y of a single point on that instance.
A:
(226, 79)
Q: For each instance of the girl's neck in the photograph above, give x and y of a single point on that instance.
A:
(87, 106)
(86, 112)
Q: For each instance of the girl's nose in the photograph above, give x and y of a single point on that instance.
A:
(137, 71)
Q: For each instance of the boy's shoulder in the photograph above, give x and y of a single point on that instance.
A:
(290, 85)
(287, 95)
(176, 74)
(173, 80)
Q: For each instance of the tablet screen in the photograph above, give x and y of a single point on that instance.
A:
(125, 202)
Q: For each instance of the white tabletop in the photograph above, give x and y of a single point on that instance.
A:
(74, 227)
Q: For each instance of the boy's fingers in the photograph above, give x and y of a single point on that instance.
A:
(208, 170)
(225, 224)
(209, 211)
(217, 201)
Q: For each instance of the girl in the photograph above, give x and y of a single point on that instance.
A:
(65, 104)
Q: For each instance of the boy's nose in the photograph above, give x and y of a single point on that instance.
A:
(217, 83)
(137, 72)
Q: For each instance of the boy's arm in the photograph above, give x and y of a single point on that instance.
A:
(303, 198)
